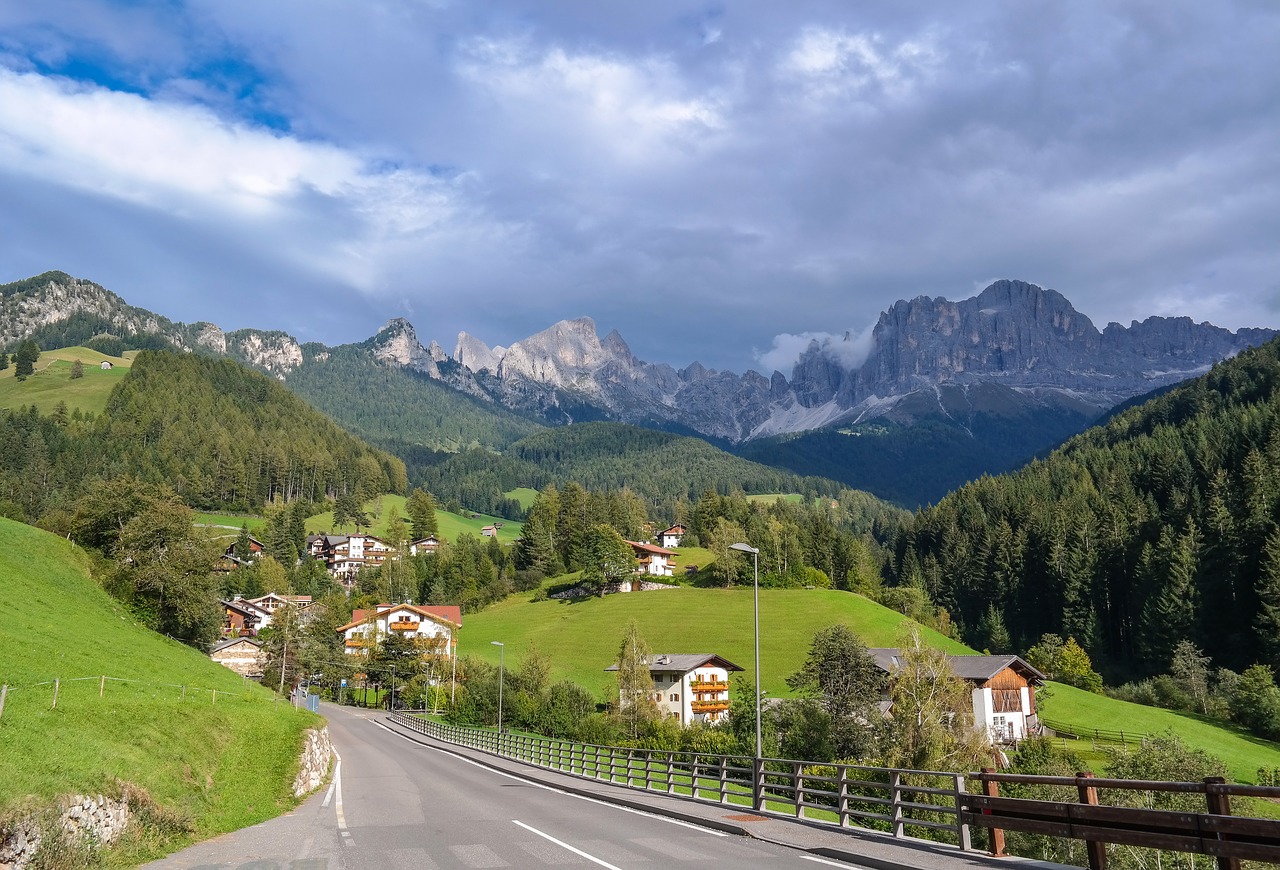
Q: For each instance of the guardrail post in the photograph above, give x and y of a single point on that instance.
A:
(895, 802)
(1219, 804)
(1089, 795)
(962, 829)
(757, 783)
(991, 788)
(797, 782)
(842, 802)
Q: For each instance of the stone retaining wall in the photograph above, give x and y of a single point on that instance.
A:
(96, 821)
(316, 753)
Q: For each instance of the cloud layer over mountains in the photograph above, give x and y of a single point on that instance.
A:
(710, 179)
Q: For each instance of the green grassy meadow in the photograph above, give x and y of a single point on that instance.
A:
(1242, 752)
(451, 525)
(183, 747)
(524, 495)
(233, 521)
(52, 383)
(581, 638)
(771, 497)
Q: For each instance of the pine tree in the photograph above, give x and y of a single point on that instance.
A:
(421, 508)
(25, 359)
(77, 370)
(636, 704)
(1266, 624)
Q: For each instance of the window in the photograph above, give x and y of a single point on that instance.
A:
(675, 696)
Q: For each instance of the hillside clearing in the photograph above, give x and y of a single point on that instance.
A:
(450, 525)
(52, 383)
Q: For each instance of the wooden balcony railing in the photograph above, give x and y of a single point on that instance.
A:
(708, 686)
(710, 706)
(404, 625)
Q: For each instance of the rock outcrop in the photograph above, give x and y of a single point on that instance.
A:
(79, 821)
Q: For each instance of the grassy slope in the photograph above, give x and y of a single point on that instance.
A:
(51, 383)
(1243, 753)
(524, 495)
(451, 525)
(189, 755)
(770, 498)
(581, 638)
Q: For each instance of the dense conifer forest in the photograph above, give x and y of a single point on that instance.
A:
(1163, 525)
(222, 436)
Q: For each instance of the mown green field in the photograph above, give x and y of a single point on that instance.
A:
(451, 525)
(524, 495)
(233, 521)
(186, 751)
(52, 383)
(1242, 752)
(793, 497)
(581, 638)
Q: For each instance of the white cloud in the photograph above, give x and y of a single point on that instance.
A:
(850, 349)
(630, 106)
(831, 63)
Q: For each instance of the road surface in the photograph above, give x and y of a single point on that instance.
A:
(395, 804)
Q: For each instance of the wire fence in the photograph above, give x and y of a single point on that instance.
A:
(65, 690)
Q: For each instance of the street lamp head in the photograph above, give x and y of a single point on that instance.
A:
(743, 548)
(497, 643)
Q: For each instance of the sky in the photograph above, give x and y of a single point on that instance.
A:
(718, 181)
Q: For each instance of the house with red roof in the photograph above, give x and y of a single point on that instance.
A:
(434, 627)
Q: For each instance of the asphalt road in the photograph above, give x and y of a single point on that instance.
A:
(397, 805)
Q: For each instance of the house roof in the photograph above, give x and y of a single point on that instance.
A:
(677, 529)
(239, 605)
(425, 540)
(232, 641)
(650, 548)
(974, 668)
(448, 613)
(684, 662)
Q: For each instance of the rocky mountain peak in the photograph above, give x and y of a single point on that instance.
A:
(475, 355)
(397, 342)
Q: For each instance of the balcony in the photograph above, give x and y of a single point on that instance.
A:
(406, 625)
(710, 706)
(357, 643)
(708, 686)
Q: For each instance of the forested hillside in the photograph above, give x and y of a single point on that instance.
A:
(221, 435)
(1162, 525)
(660, 467)
(399, 409)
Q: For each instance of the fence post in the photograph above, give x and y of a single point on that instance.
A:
(56, 683)
(757, 783)
(962, 829)
(991, 788)
(895, 802)
(842, 803)
(1089, 795)
(1219, 804)
(4, 691)
(797, 771)
(102, 686)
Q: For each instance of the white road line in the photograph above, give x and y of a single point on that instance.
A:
(580, 797)
(336, 790)
(561, 843)
(824, 861)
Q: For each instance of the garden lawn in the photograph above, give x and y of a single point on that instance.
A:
(581, 638)
(1242, 752)
(162, 731)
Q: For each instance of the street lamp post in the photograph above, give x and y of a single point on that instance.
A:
(755, 559)
(502, 650)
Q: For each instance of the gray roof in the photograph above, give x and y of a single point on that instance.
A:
(683, 662)
(232, 641)
(976, 668)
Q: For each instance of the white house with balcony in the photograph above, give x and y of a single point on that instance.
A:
(690, 687)
(434, 627)
(652, 560)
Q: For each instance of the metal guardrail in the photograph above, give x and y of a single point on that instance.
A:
(841, 795)
(896, 801)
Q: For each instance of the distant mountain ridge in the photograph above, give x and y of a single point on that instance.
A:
(1012, 351)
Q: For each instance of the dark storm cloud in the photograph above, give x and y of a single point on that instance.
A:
(711, 179)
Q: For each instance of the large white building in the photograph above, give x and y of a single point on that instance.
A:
(434, 626)
(690, 687)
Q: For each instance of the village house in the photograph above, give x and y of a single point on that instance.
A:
(654, 561)
(429, 544)
(255, 550)
(671, 537)
(248, 616)
(489, 531)
(690, 687)
(345, 555)
(1003, 691)
(435, 627)
(106, 365)
(242, 654)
